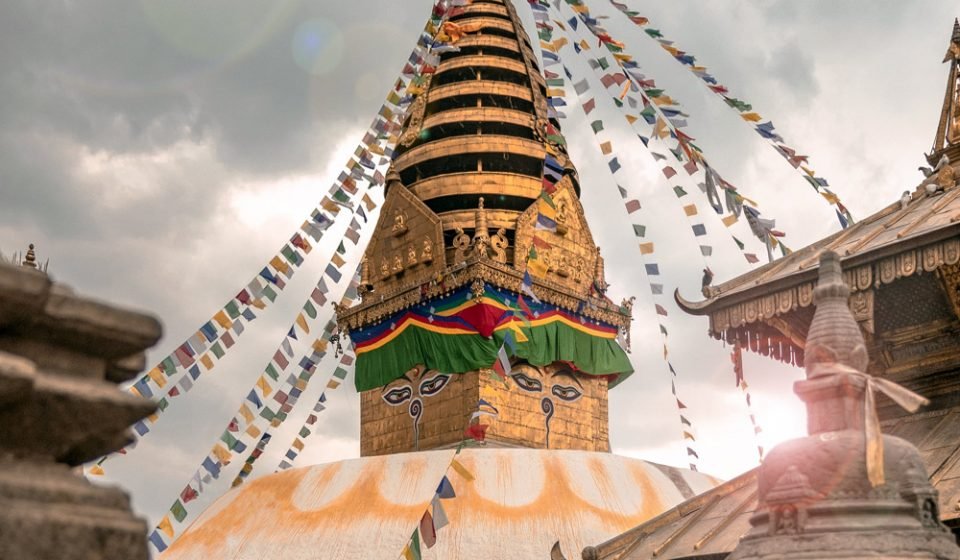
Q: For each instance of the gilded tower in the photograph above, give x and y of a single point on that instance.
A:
(445, 280)
(947, 141)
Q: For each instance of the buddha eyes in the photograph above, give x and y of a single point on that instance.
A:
(397, 396)
(434, 385)
(527, 383)
(568, 394)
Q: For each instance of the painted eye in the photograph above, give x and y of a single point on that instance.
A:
(397, 396)
(565, 393)
(434, 385)
(527, 383)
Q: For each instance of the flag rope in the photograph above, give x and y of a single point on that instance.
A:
(745, 110)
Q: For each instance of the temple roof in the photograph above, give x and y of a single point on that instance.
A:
(521, 502)
(917, 235)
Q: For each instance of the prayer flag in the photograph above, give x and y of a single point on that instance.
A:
(461, 470)
(157, 541)
(427, 530)
(445, 490)
(178, 511)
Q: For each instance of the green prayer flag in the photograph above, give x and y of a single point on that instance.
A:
(217, 350)
(739, 243)
(597, 126)
(267, 414)
(304, 432)
(227, 438)
(342, 248)
(655, 33)
(341, 196)
(162, 404)
(639, 230)
(305, 375)
(679, 191)
(179, 512)
(289, 254)
(415, 545)
(168, 366)
(340, 373)
(617, 102)
(602, 61)
(310, 310)
(268, 291)
(272, 372)
(555, 82)
(281, 416)
(232, 309)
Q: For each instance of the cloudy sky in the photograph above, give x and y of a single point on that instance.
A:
(158, 153)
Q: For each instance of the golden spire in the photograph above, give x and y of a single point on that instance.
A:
(947, 141)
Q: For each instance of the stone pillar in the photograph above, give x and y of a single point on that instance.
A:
(816, 499)
(61, 358)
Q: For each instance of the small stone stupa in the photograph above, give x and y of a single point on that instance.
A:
(846, 490)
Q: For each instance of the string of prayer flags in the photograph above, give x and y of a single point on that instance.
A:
(653, 272)
(664, 128)
(736, 357)
(746, 111)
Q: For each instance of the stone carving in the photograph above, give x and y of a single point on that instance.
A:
(461, 244)
(417, 111)
(562, 217)
(399, 224)
(397, 264)
(412, 259)
(384, 269)
(481, 236)
(426, 256)
(61, 358)
(499, 243)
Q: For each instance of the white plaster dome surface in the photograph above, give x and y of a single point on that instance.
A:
(520, 503)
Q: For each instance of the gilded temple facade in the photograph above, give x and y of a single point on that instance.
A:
(442, 279)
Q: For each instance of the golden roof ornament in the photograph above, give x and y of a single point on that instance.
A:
(30, 261)
(947, 140)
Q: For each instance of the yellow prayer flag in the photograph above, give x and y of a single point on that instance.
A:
(246, 413)
(253, 431)
(302, 323)
(518, 333)
(537, 267)
(831, 198)
(298, 444)
(96, 470)
(330, 206)
(461, 470)
(368, 202)
(690, 209)
(555, 92)
(408, 553)
(301, 384)
(221, 453)
(264, 386)
(134, 391)
(337, 260)
(166, 526)
(277, 263)
(584, 45)
(258, 303)
(622, 57)
(752, 117)
(646, 248)
(222, 319)
(663, 100)
(320, 345)
(206, 361)
(276, 422)
(730, 220)
(630, 118)
(152, 419)
(559, 43)
(157, 376)
(333, 384)
(606, 148)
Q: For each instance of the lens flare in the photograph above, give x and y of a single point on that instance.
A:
(317, 47)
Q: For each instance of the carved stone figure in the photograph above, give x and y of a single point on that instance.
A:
(481, 237)
(397, 264)
(499, 243)
(461, 244)
(399, 224)
(384, 268)
(600, 275)
(426, 256)
(562, 217)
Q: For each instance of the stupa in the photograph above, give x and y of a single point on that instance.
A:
(483, 292)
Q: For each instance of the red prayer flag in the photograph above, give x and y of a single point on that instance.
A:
(476, 431)
(188, 494)
(428, 533)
